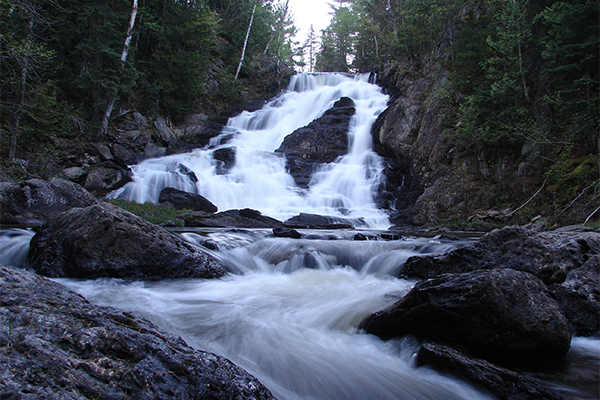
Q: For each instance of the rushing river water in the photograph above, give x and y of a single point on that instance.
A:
(287, 310)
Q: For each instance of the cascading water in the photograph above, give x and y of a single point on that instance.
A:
(258, 180)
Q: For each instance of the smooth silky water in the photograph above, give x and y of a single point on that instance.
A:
(287, 310)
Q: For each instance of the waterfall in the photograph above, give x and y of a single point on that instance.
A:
(258, 179)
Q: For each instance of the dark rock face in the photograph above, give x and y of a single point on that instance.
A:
(504, 383)
(498, 313)
(104, 179)
(320, 142)
(556, 257)
(314, 221)
(182, 200)
(103, 240)
(245, 218)
(286, 232)
(31, 202)
(226, 158)
(54, 344)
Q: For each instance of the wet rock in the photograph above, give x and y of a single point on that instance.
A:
(103, 240)
(286, 232)
(500, 313)
(502, 382)
(556, 257)
(104, 179)
(226, 158)
(180, 169)
(245, 218)
(54, 344)
(579, 298)
(122, 155)
(183, 200)
(165, 134)
(151, 150)
(31, 202)
(320, 142)
(314, 221)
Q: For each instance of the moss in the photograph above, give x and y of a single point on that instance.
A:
(158, 214)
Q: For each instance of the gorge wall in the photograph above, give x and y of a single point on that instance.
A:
(433, 177)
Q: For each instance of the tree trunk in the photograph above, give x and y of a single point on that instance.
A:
(237, 73)
(124, 54)
(12, 150)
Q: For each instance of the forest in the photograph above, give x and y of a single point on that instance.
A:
(519, 71)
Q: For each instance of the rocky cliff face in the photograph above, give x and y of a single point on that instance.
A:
(433, 179)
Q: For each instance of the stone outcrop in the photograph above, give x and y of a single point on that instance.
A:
(183, 200)
(320, 142)
(32, 202)
(498, 313)
(54, 344)
(103, 240)
(566, 260)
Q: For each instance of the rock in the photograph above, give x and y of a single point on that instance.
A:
(579, 298)
(547, 255)
(74, 174)
(230, 219)
(151, 150)
(122, 155)
(556, 257)
(103, 152)
(31, 202)
(182, 200)
(499, 313)
(282, 231)
(55, 344)
(320, 142)
(103, 240)
(226, 158)
(180, 169)
(314, 221)
(503, 383)
(104, 179)
(141, 121)
(165, 133)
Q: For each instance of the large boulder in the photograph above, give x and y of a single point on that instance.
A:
(320, 142)
(183, 200)
(494, 313)
(556, 257)
(31, 202)
(104, 240)
(315, 221)
(54, 344)
(105, 178)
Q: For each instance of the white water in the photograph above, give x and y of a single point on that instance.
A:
(259, 179)
(294, 327)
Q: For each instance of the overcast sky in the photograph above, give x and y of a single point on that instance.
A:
(307, 12)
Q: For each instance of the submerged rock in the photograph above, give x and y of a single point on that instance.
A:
(104, 240)
(31, 202)
(183, 200)
(314, 221)
(54, 344)
(500, 313)
(502, 382)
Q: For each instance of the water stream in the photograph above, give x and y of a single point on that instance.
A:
(258, 180)
(287, 310)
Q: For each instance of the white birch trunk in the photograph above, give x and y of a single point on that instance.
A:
(237, 73)
(124, 54)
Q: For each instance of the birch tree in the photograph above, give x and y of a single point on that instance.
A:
(124, 54)
(237, 73)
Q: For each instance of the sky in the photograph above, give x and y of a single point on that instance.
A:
(307, 12)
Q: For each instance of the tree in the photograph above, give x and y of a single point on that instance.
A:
(337, 41)
(245, 42)
(310, 45)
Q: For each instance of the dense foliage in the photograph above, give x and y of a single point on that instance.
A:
(527, 70)
(63, 63)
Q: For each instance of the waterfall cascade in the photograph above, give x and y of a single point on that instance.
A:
(258, 180)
